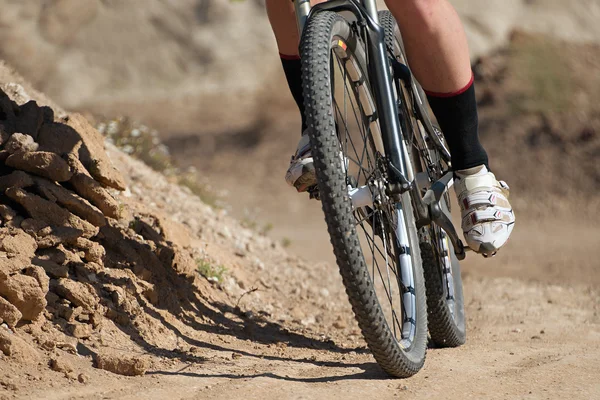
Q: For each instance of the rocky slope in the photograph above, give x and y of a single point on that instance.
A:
(94, 258)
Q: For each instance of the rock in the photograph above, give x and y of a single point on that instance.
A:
(39, 274)
(49, 212)
(92, 154)
(4, 155)
(55, 254)
(69, 200)
(16, 179)
(77, 293)
(29, 118)
(20, 142)
(80, 331)
(16, 348)
(7, 213)
(51, 268)
(60, 364)
(19, 243)
(53, 236)
(93, 251)
(9, 313)
(41, 163)
(122, 365)
(91, 190)
(33, 226)
(83, 378)
(3, 135)
(24, 292)
(77, 138)
(17, 93)
(7, 116)
(9, 266)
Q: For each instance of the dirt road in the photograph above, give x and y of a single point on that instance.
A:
(526, 340)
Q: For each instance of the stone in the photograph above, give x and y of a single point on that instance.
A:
(93, 252)
(9, 266)
(24, 292)
(60, 364)
(33, 226)
(77, 293)
(7, 213)
(55, 254)
(16, 179)
(39, 274)
(9, 313)
(53, 236)
(19, 243)
(51, 268)
(69, 200)
(49, 212)
(80, 331)
(41, 163)
(20, 142)
(29, 118)
(92, 153)
(91, 190)
(16, 348)
(122, 365)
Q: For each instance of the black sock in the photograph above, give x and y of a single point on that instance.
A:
(456, 114)
(293, 73)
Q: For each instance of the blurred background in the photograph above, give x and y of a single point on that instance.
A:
(203, 77)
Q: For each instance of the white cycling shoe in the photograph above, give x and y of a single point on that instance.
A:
(487, 216)
(301, 173)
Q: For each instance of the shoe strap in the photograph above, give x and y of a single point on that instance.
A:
(481, 216)
(484, 198)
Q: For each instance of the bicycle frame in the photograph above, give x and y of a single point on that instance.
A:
(366, 14)
(401, 174)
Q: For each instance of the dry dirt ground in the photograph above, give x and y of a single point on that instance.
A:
(278, 326)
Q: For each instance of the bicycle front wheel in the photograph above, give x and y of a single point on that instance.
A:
(374, 238)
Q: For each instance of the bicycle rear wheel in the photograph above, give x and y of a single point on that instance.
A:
(445, 303)
(375, 239)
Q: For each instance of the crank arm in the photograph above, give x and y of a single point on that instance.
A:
(432, 199)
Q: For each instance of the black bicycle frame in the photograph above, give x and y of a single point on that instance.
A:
(400, 171)
(382, 85)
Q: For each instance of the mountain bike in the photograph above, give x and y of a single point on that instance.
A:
(383, 172)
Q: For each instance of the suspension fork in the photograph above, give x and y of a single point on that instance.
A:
(302, 8)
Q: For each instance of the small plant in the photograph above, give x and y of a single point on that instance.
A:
(268, 227)
(286, 242)
(213, 273)
(139, 141)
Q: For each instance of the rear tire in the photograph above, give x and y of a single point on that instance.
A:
(445, 306)
(397, 356)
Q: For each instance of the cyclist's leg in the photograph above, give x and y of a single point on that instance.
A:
(437, 50)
